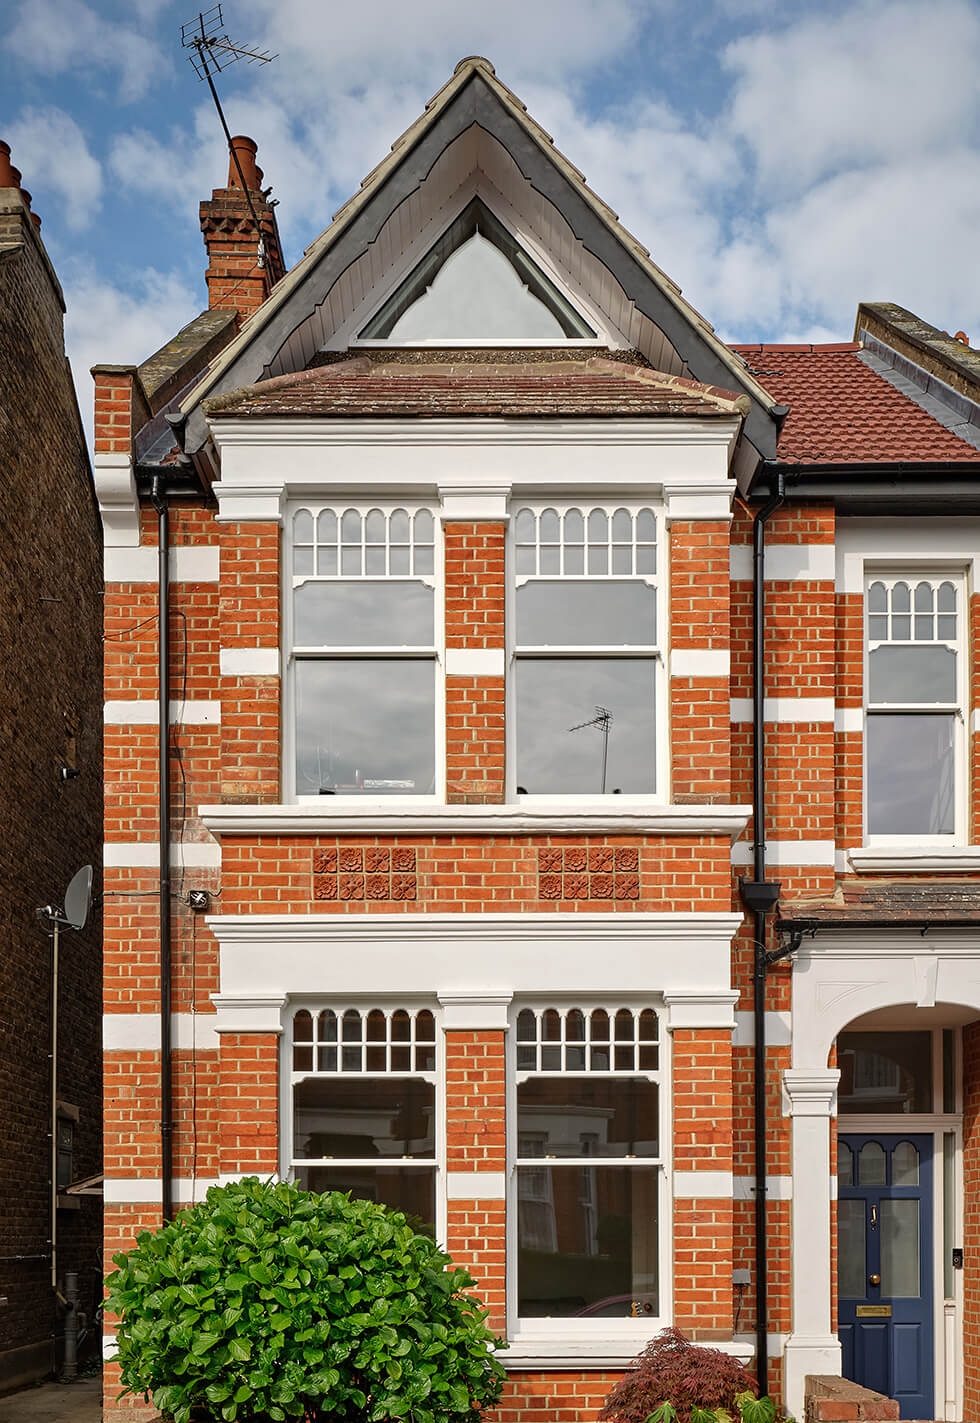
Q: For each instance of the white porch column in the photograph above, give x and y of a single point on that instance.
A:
(809, 1097)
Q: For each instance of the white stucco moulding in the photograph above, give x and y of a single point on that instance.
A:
(463, 504)
(115, 489)
(694, 502)
(691, 1008)
(901, 859)
(475, 1010)
(256, 505)
(810, 1092)
(556, 818)
(248, 1014)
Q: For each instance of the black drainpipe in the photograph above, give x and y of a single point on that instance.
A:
(760, 896)
(159, 501)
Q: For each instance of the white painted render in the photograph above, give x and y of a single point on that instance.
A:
(785, 563)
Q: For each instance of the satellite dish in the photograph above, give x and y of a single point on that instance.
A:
(78, 897)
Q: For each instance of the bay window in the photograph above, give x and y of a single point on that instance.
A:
(914, 706)
(587, 1166)
(363, 1105)
(362, 626)
(587, 650)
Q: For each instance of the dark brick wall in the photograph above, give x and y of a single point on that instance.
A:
(50, 715)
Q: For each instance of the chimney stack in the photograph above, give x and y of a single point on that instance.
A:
(236, 277)
(10, 177)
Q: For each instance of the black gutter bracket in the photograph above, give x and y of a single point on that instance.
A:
(785, 949)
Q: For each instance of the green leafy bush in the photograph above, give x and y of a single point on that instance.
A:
(267, 1302)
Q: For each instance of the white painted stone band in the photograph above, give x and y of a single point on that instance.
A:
(145, 854)
(146, 712)
(475, 1186)
(249, 661)
(703, 1185)
(188, 563)
(849, 718)
(818, 853)
(699, 662)
(786, 563)
(146, 1190)
(140, 1032)
(475, 661)
(785, 709)
(778, 1188)
(779, 1029)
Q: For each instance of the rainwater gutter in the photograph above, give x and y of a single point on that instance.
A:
(760, 897)
(158, 496)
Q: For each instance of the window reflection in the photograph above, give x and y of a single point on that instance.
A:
(370, 1117)
(574, 1116)
(910, 774)
(885, 1072)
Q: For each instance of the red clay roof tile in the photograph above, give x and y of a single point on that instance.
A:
(841, 411)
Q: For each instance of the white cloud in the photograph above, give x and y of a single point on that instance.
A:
(61, 36)
(53, 155)
(108, 323)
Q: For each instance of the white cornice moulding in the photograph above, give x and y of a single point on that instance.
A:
(115, 489)
(785, 563)
(694, 1008)
(702, 1185)
(254, 505)
(474, 1010)
(786, 709)
(466, 505)
(816, 853)
(696, 502)
(475, 1185)
(549, 430)
(140, 1032)
(896, 859)
(236, 1013)
(810, 1092)
(408, 929)
(186, 563)
(248, 661)
(146, 712)
(866, 544)
(700, 662)
(145, 854)
(556, 819)
(475, 662)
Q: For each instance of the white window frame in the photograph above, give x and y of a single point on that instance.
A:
(655, 651)
(434, 653)
(600, 1335)
(911, 571)
(289, 1163)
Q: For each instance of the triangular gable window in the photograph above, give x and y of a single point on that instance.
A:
(477, 284)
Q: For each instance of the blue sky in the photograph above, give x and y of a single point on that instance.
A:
(781, 161)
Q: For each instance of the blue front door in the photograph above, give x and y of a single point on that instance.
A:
(884, 1266)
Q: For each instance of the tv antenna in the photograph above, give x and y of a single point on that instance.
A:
(602, 721)
(78, 898)
(211, 51)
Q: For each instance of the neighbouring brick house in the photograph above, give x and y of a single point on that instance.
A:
(50, 766)
(460, 514)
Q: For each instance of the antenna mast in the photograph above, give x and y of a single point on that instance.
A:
(212, 49)
(602, 721)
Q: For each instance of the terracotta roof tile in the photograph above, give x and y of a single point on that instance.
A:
(893, 901)
(592, 386)
(841, 410)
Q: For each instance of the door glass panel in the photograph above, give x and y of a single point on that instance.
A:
(845, 1165)
(851, 1249)
(949, 1158)
(905, 1165)
(885, 1072)
(871, 1165)
(898, 1222)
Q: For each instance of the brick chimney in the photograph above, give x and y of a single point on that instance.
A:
(236, 278)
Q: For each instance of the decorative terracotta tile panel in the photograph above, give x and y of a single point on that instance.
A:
(376, 874)
(595, 872)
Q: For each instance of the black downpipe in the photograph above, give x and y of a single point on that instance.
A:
(159, 500)
(760, 900)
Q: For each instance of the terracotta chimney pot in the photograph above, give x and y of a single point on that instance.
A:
(246, 149)
(6, 168)
(35, 218)
(15, 176)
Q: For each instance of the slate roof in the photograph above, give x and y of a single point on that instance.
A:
(919, 901)
(590, 387)
(842, 411)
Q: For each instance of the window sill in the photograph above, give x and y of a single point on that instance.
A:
(548, 817)
(898, 859)
(557, 1354)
